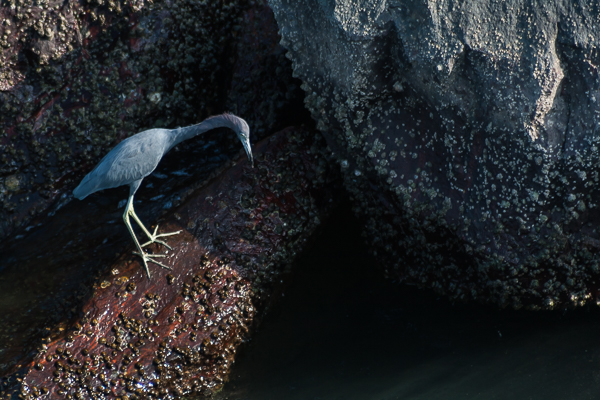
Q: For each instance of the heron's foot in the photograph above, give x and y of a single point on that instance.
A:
(154, 236)
(149, 258)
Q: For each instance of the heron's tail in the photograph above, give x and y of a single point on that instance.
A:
(85, 188)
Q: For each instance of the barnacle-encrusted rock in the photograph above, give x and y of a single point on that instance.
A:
(178, 333)
(467, 133)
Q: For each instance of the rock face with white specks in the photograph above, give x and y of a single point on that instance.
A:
(468, 137)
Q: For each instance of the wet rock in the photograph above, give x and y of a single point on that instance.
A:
(178, 333)
(78, 77)
(467, 136)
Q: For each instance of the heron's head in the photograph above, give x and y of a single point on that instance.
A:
(243, 133)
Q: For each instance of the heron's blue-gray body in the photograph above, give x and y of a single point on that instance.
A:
(136, 157)
(128, 163)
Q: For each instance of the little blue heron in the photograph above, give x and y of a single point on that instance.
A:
(137, 156)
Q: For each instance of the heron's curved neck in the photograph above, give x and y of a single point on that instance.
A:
(188, 132)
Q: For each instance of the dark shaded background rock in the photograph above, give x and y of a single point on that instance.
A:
(78, 77)
(178, 332)
(468, 137)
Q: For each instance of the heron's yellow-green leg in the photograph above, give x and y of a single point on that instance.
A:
(145, 257)
(153, 237)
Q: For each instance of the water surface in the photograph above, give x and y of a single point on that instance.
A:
(342, 331)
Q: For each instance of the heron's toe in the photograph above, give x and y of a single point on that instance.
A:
(150, 258)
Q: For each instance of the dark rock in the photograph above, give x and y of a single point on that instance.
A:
(177, 333)
(468, 138)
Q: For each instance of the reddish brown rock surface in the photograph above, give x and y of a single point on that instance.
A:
(178, 332)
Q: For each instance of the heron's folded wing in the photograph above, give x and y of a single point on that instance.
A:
(134, 161)
(131, 160)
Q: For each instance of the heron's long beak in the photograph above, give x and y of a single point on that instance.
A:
(246, 144)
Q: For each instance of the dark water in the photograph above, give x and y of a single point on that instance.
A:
(341, 331)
